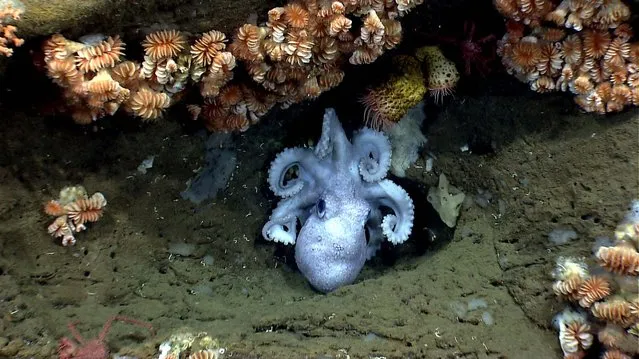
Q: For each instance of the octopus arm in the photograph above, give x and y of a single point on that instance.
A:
(282, 229)
(333, 141)
(282, 225)
(374, 152)
(306, 162)
(397, 226)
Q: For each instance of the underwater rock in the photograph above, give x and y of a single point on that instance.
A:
(77, 18)
(130, 18)
(220, 162)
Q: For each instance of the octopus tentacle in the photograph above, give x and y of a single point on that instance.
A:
(333, 140)
(398, 226)
(374, 150)
(279, 167)
(282, 225)
(323, 147)
(282, 229)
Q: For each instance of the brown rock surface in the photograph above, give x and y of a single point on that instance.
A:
(75, 18)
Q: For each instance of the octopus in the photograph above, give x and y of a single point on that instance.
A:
(338, 191)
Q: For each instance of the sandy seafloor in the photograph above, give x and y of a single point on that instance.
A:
(545, 164)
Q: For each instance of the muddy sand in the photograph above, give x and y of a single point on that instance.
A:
(480, 291)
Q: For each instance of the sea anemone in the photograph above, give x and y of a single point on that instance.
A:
(163, 44)
(526, 54)
(296, 16)
(621, 259)
(73, 209)
(372, 31)
(616, 311)
(104, 54)
(7, 32)
(364, 55)
(615, 354)
(595, 43)
(340, 24)
(392, 33)
(246, 44)
(223, 63)
(617, 53)
(572, 48)
(230, 95)
(550, 59)
(330, 79)
(64, 72)
(574, 332)
(543, 84)
(127, 74)
(86, 210)
(54, 208)
(207, 47)
(326, 50)
(206, 354)
(569, 273)
(592, 290)
(298, 48)
(148, 104)
(104, 88)
(61, 228)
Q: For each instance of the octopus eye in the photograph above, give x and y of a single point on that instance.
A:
(321, 207)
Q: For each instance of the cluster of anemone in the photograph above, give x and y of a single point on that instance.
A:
(296, 55)
(73, 210)
(604, 300)
(97, 80)
(299, 53)
(9, 11)
(580, 46)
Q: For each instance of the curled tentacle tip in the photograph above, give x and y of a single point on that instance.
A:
(286, 160)
(277, 233)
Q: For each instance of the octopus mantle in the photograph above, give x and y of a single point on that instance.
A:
(339, 194)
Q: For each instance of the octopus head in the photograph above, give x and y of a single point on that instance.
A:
(331, 247)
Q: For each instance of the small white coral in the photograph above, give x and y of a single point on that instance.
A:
(569, 267)
(447, 201)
